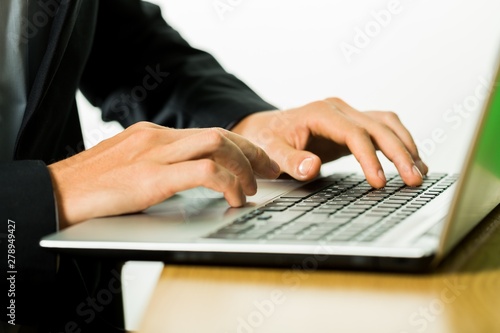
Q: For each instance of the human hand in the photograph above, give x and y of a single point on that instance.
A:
(301, 139)
(147, 163)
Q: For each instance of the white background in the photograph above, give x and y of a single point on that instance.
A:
(424, 62)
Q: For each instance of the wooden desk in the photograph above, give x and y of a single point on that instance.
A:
(463, 295)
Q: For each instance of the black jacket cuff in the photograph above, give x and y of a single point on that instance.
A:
(27, 212)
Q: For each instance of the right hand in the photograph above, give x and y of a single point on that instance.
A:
(148, 163)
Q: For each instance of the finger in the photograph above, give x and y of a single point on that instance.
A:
(395, 150)
(212, 144)
(261, 163)
(206, 173)
(361, 146)
(388, 142)
(391, 120)
(300, 164)
(355, 137)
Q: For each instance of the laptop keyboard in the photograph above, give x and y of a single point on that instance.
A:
(342, 207)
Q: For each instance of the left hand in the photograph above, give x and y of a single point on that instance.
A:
(301, 139)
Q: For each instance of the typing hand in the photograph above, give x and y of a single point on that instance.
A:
(300, 139)
(147, 163)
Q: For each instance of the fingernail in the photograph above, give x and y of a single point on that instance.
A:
(417, 172)
(275, 167)
(381, 175)
(305, 166)
(243, 199)
(420, 165)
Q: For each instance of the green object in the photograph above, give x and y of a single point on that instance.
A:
(488, 150)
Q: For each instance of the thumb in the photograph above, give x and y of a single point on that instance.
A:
(300, 164)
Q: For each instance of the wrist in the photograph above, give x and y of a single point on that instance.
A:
(247, 126)
(67, 212)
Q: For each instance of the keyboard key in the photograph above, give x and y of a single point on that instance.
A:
(280, 203)
(411, 190)
(285, 231)
(405, 195)
(241, 220)
(357, 209)
(282, 237)
(272, 208)
(300, 209)
(344, 214)
(268, 223)
(223, 236)
(307, 204)
(400, 213)
(326, 228)
(409, 209)
(318, 211)
(333, 204)
(382, 210)
(436, 192)
(310, 237)
(338, 219)
(340, 202)
(328, 209)
(394, 201)
(285, 216)
(235, 228)
(348, 198)
(308, 189)
(250, 237)
(255, 213)
(340, 237)
(312, 218)
(296, 228)
(400, 197)
(369, 200)
(282, 199)
(315, 200)
(361, 206)
(386, 205)
(415, 204)
(377, 214)
(368, 220)
(435, 176)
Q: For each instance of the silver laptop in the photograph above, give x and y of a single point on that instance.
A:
(335, 221)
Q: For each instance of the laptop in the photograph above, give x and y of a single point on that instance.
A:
(336, 221)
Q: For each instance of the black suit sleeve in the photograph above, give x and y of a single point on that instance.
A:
(28, 213)
(139, 69)
(151, 73)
